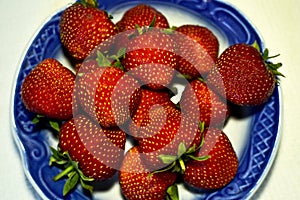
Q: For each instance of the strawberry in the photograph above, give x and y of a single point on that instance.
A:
(216, 171)
(87, 152)
(244, 75)
(86, 66)
(137, 182)
(164, 134)
(83, 27)
(198, 50)
(149, 98)
(151, 58)
(142, 15)
(47, 90)
(211, 109)
(108, 94)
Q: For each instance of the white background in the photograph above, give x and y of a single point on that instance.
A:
(278, 24)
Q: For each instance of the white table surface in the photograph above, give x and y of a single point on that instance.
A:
(277, 22)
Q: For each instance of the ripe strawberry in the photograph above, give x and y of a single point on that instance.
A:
(88, 152)
(211, 109)
(142, 15)
(244, 75)
(149, 98)
(137, 182)
(151, 58)
(108, 95)
(83, 27)
(198, 50)
(216, 171)
(47, 90)
(164, 133)
(86, 66)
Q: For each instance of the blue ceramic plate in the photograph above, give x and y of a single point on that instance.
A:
(254, 133)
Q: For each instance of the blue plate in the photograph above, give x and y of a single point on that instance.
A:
(260, 128)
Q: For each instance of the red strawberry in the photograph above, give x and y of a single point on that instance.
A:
(142, 15)
(149, 98)
(198, 50)
(88, 152)
(83, 27)
(211, 108)
(47, 90)
(137, 182)
(244, 75)
(151, 58)
(108, 94)
(216, 171)
(164, 134)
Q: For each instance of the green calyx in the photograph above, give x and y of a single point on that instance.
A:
(141, 30)
(170, 30)
(172, 193)
(184, 154)
(70, 170)
(89, 3)
(111, 61)
(272, 67)
(55, 125)
(265, 55)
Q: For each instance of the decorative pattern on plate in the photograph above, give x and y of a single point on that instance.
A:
(257, 157)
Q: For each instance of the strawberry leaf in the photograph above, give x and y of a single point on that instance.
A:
(152, 22)
(102, 60)
(89, 3)
(35, 120)
(121, 52)
(139, 29)
(183, 76)
(272, 67)
(57, 158)
(71, 170)
(181, 149)
(192, 149)
(167, 159)
(86, 186)
(256, 45)
(54, 125)
(84, 178)
(202, 158)
(71, 182)
(172, 193)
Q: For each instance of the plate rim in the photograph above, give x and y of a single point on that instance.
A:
(20, 145)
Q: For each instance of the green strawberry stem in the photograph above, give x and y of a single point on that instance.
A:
(71, 170)
(64, 173)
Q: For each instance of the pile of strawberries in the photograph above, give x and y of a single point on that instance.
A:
(121, 94)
